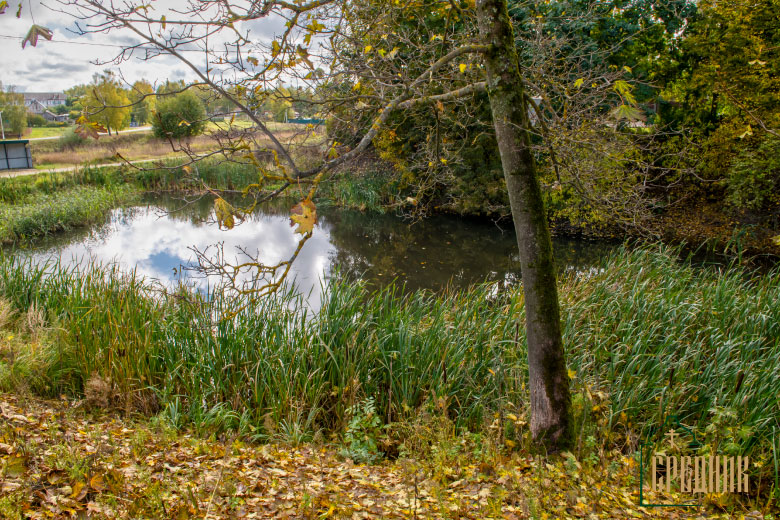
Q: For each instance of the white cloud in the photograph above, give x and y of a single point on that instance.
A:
(69, 59)
(155, 244)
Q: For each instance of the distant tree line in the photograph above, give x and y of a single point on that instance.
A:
(174, 108)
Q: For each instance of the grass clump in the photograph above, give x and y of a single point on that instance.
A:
(221, 175)
(36, 205)
(25, 189)
(364, 191)
(646, 336)
(50, 212)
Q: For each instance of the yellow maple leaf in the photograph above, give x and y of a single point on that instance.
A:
(97, 483)
(224, 213)
(88, 129)
(79, 490)
(305, 215)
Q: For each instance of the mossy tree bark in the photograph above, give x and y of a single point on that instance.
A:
(548, 379)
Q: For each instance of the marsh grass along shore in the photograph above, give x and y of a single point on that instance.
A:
(646, 336)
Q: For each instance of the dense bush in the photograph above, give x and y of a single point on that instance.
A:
(705, 108)
(38, 121)
(754, 177)
(70, 139)
(35, 120)
(181, 115)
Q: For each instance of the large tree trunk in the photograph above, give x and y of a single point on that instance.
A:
(548, 379)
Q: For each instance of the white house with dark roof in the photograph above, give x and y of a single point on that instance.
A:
(39, 102)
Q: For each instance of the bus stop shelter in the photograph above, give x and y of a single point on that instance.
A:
(15, 154)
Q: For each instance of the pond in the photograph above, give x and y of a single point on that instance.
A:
(158, 238)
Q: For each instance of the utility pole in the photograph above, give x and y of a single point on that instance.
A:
(2, 129)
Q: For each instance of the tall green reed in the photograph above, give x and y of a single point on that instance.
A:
(655, 335)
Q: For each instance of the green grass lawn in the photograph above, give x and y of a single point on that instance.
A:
(36, 133)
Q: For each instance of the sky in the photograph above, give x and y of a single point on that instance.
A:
(68, 60)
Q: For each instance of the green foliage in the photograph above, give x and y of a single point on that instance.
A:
(171, 87)
(182, 115)
(731, 52)
(14, 113)
(74, 96)
(26, 190)
(724, 91)
(143, 102)
(698, 85)
(724, 433)
(643, 36)
(445, 154)
(60, 109)
(280, 109)
(754, 177)
(36, 120)
(16, 118)
(362, 433)
(35, 205)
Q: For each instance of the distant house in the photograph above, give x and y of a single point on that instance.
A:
(37, 108)
(39, 102)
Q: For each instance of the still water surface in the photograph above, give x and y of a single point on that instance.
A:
(157, 238)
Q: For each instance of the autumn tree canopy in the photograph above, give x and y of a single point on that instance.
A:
(106, 102)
